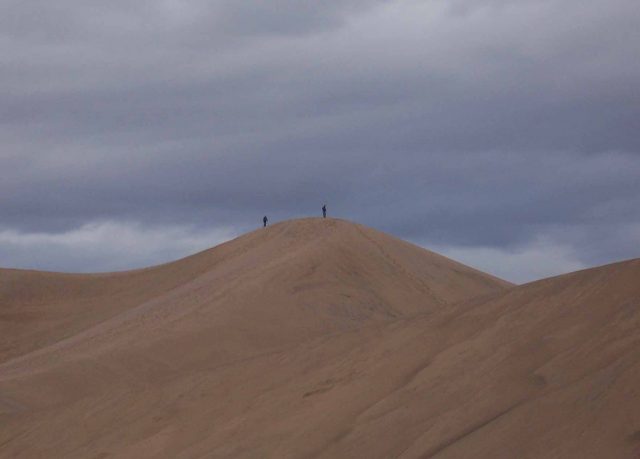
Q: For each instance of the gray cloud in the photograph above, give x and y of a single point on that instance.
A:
(486, 128)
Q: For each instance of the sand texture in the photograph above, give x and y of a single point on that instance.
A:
(319, 338)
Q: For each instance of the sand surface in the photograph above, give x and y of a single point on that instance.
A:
(319, 338)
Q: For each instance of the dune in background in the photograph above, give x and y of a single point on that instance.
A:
(319, 338)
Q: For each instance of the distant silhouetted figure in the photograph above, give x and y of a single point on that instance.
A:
(324, 211)
(264, 221)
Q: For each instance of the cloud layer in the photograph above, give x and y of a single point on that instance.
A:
(482, 128)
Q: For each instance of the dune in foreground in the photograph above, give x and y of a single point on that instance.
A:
(319, 338)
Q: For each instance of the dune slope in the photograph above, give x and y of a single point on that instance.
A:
(313, 274)
(323, 339)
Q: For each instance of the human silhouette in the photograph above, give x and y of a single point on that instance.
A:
(324, 211)
(264, 221)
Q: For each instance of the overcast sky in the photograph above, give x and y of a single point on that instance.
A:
(505, 134)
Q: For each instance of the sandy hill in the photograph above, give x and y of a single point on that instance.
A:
(294, 278)
(319, 338)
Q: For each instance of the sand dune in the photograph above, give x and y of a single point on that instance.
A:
(319, 338)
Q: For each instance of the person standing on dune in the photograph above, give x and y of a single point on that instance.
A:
(324, 211)
(264, 221)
